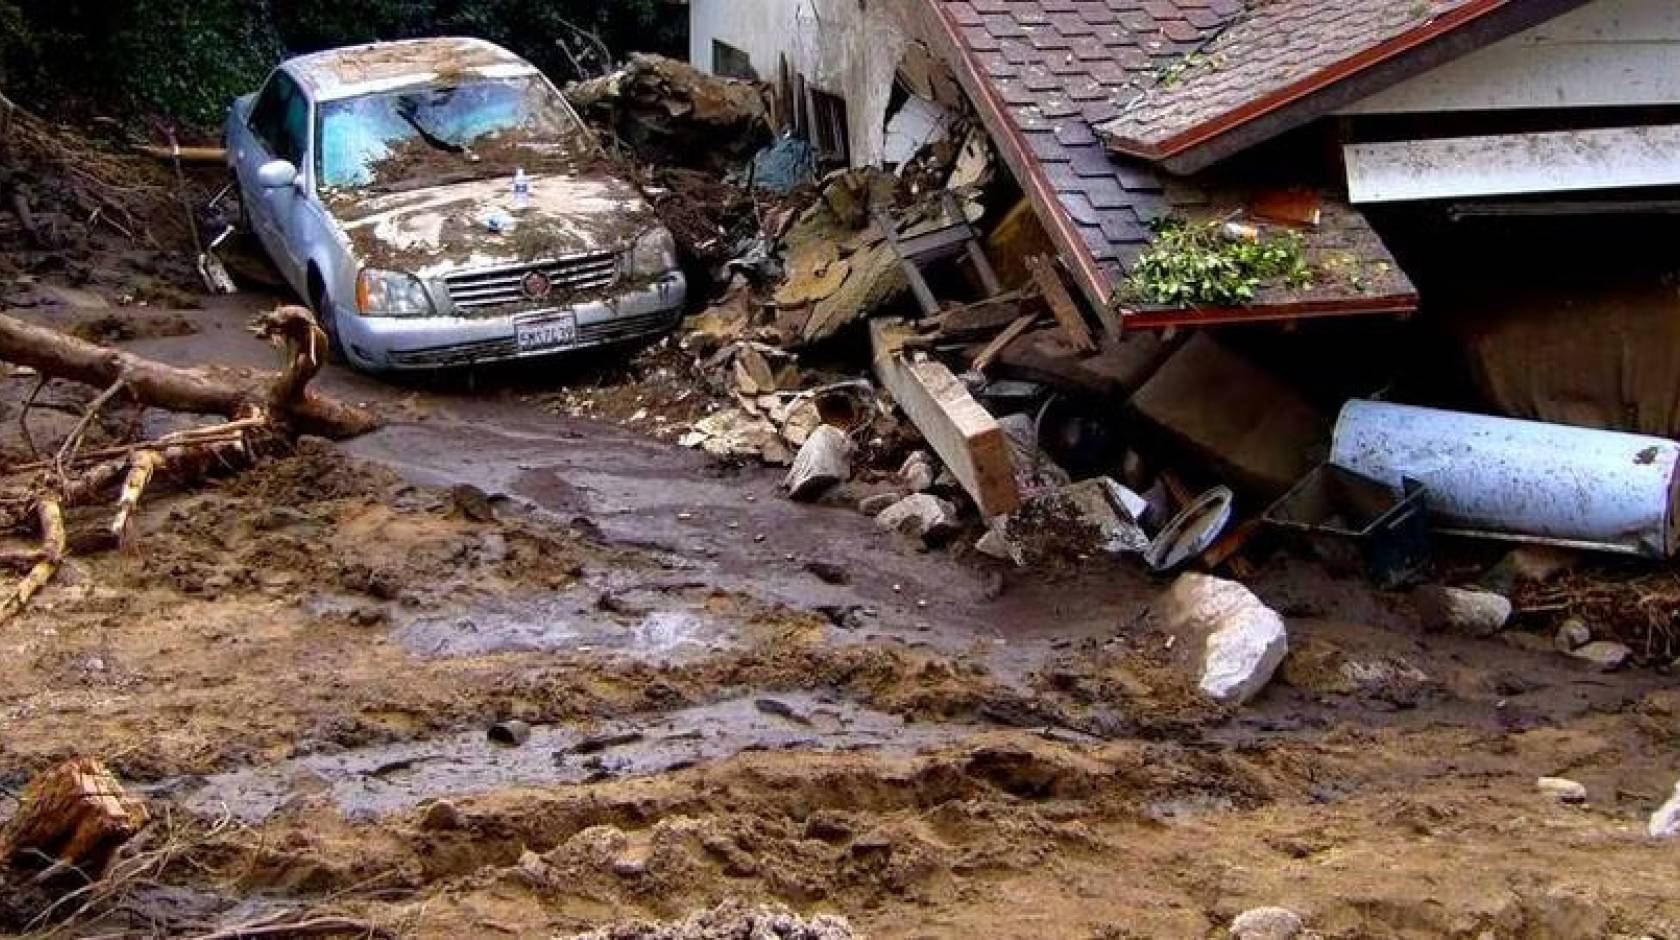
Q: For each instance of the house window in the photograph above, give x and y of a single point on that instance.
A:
(731, 62)
(827, 116)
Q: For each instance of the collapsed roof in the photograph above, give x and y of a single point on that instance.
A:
(1097, 105)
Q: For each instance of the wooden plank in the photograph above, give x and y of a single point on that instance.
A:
(964, 435)
(1010, 334)
(1050, 286)
(980, 319)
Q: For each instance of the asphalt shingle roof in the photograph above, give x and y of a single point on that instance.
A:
(1277, 44)
(1052, 71)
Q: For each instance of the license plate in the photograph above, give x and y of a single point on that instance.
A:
(549, 334)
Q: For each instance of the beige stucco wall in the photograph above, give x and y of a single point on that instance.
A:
(849, 48)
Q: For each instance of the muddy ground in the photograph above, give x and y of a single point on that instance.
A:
(301, 665)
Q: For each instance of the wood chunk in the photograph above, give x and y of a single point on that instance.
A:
(76, 814)
(1252, 429)
(964, 435)
(1061, 304)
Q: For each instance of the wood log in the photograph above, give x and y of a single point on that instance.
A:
(823, 461)
(163, 386)
(964, 435)
(74, 814)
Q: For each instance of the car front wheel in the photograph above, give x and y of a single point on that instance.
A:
(325, 315)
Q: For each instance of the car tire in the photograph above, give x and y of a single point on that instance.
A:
(324, 315)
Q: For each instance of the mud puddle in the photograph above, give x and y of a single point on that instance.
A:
(640, 623)
(374, 781)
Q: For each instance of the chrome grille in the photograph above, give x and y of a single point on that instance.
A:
(498, 287)
(615, 330)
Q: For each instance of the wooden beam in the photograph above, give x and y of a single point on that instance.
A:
(964, 435)
(1049, 282)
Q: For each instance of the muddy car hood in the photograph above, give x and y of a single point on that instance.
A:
(467, 226)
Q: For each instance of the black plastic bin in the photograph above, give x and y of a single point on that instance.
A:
(1357, 524)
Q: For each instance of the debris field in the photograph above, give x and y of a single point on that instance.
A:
(898, 592)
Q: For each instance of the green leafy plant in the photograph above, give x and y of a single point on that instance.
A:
(1193, 264)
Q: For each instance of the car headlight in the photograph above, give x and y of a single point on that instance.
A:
(391, 294)
(654, 253)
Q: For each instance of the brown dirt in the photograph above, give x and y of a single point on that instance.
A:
(259, 620)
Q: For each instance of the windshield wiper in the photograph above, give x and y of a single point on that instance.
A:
(406, 109)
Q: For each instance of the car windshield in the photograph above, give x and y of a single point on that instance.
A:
(421, 137)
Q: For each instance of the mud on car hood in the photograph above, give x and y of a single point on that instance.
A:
(467, 226)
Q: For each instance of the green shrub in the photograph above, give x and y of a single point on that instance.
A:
(1192, 264)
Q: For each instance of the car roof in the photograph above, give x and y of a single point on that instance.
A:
(383, 66)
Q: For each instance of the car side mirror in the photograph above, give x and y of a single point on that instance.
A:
(276, 174)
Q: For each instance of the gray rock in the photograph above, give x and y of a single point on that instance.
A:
(1241, 640)
(1267, 923)
(1472, 613)
(1562, 789)
(1607, 655)
(919, 472)
(875, 505)
(1665, 822)
(924, 517)
(1572, 634)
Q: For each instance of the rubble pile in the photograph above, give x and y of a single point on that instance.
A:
(905, 341)
(669, 113)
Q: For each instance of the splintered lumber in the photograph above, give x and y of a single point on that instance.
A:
(1002, 341)
(964, 435)
(1061, 303)
(74, 814)
(163, 386)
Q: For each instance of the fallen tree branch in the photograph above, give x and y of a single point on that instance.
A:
(73, 441)
(141, 466)
(51, 515)
(174, 389)
(298, 928)
(280, 407)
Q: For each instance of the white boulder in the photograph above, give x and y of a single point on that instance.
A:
(1665, 822)
(922, 516)
(1267, 923)
(1242, 641)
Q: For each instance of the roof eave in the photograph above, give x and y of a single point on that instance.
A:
(1397, 305)
(1429, 46)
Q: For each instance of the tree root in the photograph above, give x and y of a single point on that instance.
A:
(260, 412)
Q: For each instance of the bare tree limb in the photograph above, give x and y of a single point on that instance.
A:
(163, 386)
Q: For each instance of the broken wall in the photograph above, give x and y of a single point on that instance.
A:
(846, 48)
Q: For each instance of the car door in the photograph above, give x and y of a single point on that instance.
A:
(278, 129)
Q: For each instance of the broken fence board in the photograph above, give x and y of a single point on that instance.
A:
(964, 434)
(1061, 304)
(1009, 335)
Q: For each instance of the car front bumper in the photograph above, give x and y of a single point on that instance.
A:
(416, 343)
